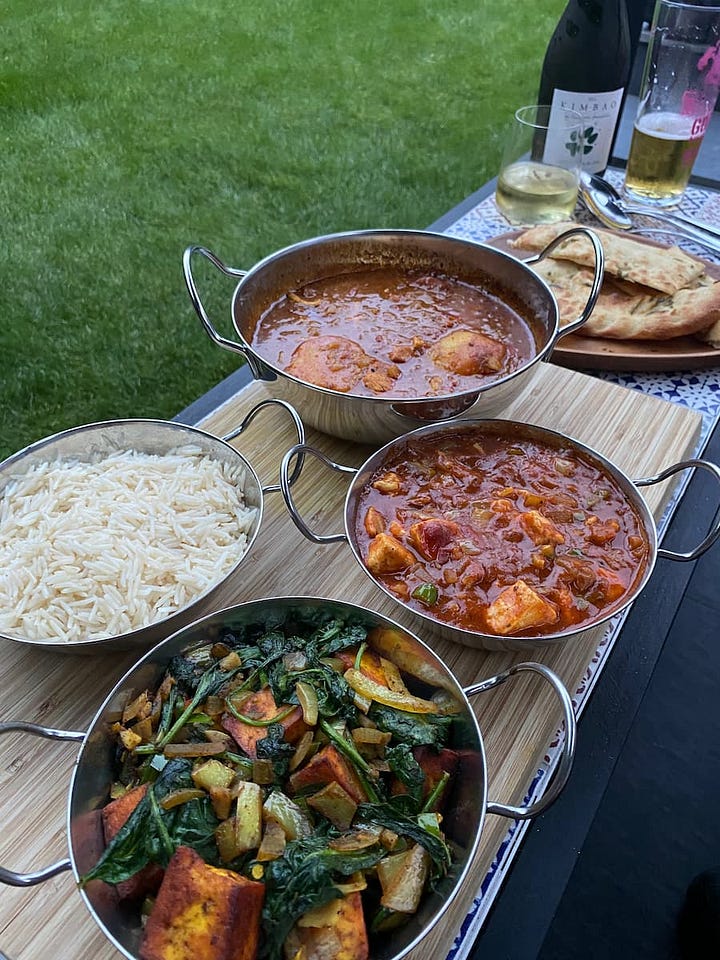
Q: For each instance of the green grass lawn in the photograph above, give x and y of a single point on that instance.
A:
(132, 128)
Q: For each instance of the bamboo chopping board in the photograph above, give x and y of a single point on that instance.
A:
(640, 434)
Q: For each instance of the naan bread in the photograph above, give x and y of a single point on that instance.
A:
(667, 269)
(711, 336)
(622, 315)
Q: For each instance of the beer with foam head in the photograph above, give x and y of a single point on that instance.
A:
(663, 151)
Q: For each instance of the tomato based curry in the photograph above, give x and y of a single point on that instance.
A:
(500, 535)
(394, 333)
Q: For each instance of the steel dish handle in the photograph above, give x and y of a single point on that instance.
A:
(299, 428)
(259, 372)
(714, 533)
(10, 877)
(568, 752)
(597, 276)
(299, 450)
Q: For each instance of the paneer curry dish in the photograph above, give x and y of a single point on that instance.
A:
(394, 333)
(500, 535)
(280, 794)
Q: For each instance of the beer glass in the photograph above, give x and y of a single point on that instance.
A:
(540, 166)
(678, 93)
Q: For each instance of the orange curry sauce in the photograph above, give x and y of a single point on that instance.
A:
(499, 535)
(394, 333)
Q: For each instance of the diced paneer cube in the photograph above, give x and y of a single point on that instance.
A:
(434, 764)
(519, 607)
(539, 528)
(114, 815)
(203, 913)
(262, 706)
(387, 555)
(329, 766)
(402, 878)
(335, 931)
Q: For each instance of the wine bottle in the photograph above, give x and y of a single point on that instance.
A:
(586, 69)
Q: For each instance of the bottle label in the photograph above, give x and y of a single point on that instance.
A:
(599, 112)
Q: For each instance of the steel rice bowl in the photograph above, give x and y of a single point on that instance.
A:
(96, 441)
(378, 419)
(464, 815)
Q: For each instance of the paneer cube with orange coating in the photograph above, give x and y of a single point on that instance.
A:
(114, 816)
(203, 913)
(539, 528)
(329, 766)
(335, 931)
(387, 555)
(262, 706)
(519, 607)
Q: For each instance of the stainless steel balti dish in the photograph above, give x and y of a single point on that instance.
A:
(377, 419)
(93, 442)
(464, 814)
(478, 434)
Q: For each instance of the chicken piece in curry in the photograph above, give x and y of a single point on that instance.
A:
(395, 333)
(500, 535)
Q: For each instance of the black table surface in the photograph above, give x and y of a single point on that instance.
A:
(603, 873)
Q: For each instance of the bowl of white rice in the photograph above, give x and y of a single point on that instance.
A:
(112, 533)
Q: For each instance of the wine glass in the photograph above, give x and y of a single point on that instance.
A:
(540, 167)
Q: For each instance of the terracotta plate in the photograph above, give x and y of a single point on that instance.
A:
(595, 353)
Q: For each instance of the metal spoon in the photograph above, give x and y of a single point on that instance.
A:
(603, 200)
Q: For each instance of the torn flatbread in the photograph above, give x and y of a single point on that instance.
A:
(711, 336)
(667, 269)
(621, 315)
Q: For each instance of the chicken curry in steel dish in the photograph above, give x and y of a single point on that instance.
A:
(500, 535)
(394, 333)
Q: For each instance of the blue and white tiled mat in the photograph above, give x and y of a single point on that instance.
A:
(696, 389)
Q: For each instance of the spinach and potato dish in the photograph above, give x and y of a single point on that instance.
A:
(280, 794)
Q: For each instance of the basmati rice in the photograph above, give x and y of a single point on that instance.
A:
(96, 550)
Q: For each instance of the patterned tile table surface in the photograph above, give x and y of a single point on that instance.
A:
(697, 389)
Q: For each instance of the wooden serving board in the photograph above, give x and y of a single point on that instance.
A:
(640, 434)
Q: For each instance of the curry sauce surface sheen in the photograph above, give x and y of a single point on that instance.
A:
(395, 333)
(499, 536)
